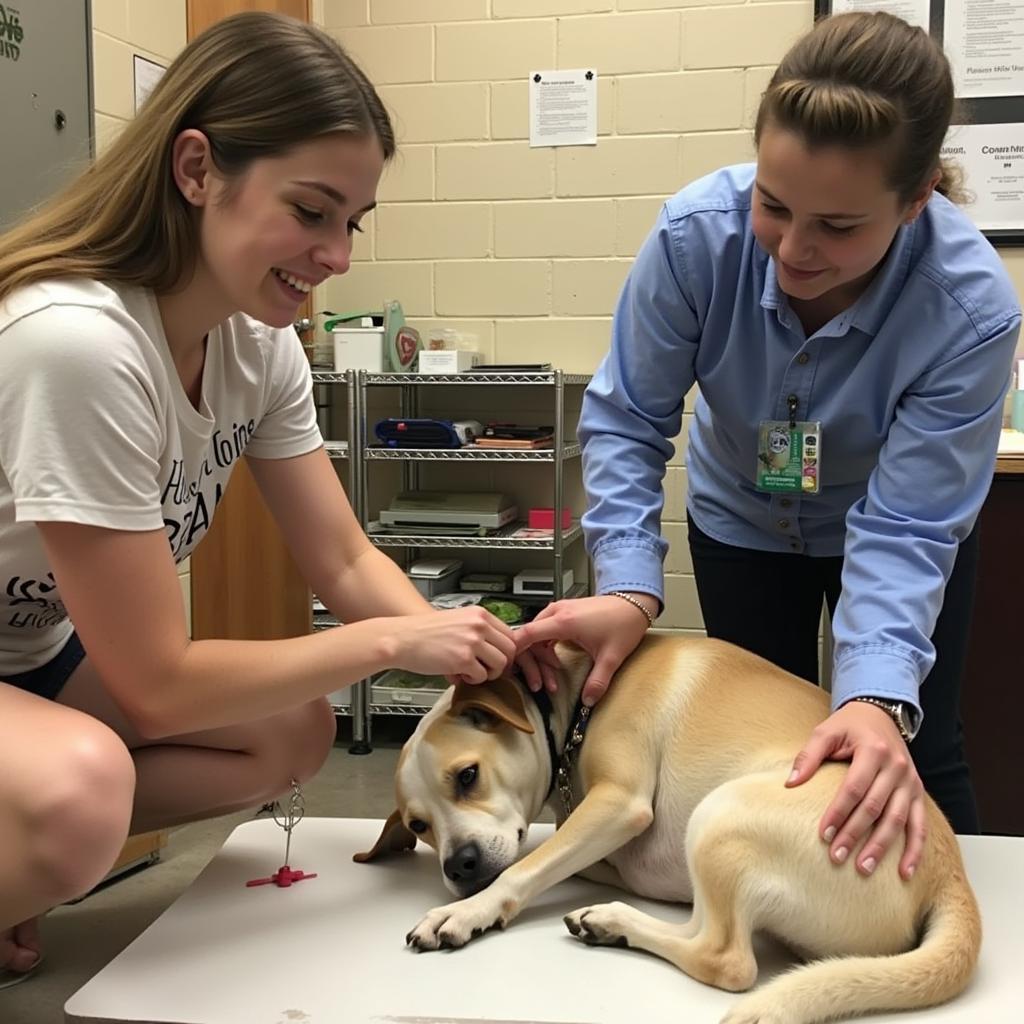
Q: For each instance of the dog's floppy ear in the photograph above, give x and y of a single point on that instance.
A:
(501, 698)
(394, 838)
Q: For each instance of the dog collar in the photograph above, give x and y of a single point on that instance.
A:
(573, 741)
(543, 702)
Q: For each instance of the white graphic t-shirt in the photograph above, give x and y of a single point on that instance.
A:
(96, 428)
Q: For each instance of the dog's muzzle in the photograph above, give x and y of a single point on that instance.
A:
(468, 870)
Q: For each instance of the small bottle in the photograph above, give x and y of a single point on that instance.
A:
(1017, 400)
(1017, 410)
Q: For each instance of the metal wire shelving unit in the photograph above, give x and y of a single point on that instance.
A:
(361, 454)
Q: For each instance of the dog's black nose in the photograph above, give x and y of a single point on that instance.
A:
(464, 864)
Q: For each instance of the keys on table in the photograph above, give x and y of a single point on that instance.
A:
(285, 875)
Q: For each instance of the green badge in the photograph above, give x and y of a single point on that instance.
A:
(788, 456)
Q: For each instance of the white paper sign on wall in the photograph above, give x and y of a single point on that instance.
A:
(563, 107)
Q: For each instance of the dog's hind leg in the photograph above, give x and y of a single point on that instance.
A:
(732, 885)
(619, 924)
(714, 946)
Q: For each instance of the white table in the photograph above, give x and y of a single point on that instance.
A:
(333, 949)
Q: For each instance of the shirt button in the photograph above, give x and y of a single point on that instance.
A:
(803, 358)
(786, 502)
(783, 524)
(794, 545)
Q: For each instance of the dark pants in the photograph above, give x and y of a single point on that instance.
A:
(742, 600)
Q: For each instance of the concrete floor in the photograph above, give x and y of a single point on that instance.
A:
(79, 940)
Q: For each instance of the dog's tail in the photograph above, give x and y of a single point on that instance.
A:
(935, 971)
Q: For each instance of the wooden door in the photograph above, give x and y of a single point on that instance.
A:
(245, 585)
(203, 13)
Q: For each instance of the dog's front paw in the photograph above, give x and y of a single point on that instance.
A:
(455, 924)
(605, 924)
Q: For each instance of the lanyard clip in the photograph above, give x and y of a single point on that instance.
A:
(792, 401)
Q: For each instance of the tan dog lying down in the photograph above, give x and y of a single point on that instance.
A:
(679, 795)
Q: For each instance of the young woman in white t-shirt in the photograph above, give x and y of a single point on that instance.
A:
(145, 344)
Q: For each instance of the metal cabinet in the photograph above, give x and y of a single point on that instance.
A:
(46, 90)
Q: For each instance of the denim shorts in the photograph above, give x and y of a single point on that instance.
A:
(48, 680)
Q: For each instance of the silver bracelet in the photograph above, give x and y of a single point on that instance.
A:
(635, 603)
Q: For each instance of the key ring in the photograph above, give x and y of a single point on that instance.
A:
(285, 875)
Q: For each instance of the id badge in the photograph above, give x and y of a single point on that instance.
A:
(788, 456)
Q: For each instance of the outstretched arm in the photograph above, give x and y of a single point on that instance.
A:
(923, 497)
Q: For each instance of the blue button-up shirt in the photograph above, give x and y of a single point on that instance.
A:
(908, 384)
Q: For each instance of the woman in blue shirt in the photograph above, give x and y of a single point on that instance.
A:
(851, 334)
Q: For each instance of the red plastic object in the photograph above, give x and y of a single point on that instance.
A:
(282, 878)
(544, 519)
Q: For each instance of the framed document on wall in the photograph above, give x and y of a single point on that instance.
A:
(984, 40)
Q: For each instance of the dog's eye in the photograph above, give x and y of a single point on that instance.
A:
(467, 776)
(417, 826)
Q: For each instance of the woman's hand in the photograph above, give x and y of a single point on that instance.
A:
(540, 666)
(467, 644)
(607, 628)
(882, 792)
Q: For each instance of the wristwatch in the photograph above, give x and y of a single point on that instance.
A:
(901, 713)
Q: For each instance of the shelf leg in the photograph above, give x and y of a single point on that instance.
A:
(360, 719)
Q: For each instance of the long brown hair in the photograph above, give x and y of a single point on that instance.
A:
(256, 84)
(864, 80)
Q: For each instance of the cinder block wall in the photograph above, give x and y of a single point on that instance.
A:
(154, 29)
(526, 249)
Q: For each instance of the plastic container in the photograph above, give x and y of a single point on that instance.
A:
(544, 519)
(359, 348)
(403, 689)
(435, 576)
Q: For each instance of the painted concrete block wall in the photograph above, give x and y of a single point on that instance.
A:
(526, 248)
(522, 249)
(154, 29)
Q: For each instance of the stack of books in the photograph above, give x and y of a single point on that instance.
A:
(511, 435)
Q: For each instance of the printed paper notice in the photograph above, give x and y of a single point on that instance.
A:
(147, 74)
(563, 108)
(914, 11)
(985, 43)
(992, 157)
